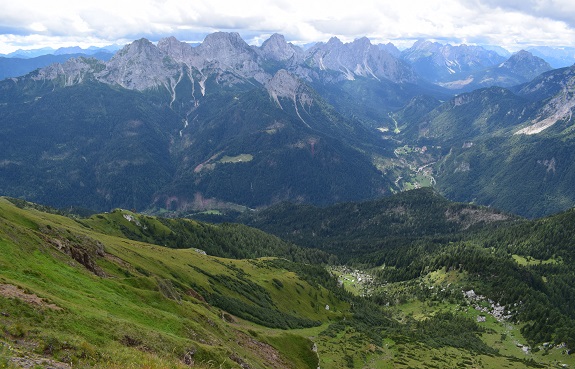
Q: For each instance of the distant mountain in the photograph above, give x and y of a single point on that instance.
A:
(520, 68)
(16, 67)
(558, 57)
(25, 54)
(359, 59)
(33, 53)
(436, 62)
(526, 65)
(92, 50)
(498, 49)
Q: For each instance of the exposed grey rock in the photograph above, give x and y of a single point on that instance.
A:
(560, 107)
(285, 85)
(228, 52)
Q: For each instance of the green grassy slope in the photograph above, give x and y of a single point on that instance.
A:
(109, 301)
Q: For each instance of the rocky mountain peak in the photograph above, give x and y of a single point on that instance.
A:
(224, 52)
(139, 47)
(526, 65)
(140, 66)
(275, 39)
(137, 53)
(424, 45)
(276, 48)
(437, 62)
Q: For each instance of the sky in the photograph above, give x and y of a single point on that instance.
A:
(512, 24)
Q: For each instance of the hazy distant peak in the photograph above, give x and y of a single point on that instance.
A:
(275, 38)
(334, 41)
(362, 41)
(526, 64)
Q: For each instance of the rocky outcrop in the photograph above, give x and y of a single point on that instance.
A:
(283, 84)
(82, 249)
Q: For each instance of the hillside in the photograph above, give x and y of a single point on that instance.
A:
(361, 230)
(73, 295)
(417, 252)
(74, 292)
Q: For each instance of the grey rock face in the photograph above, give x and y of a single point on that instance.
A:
(284, 84)
(181, 52)
(228, 52)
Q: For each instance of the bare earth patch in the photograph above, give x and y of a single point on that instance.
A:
(11, 291)
(30, 363)
(271, 356)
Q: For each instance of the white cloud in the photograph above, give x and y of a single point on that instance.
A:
(510, 23)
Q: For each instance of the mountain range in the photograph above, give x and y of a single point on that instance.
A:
(227, 126)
